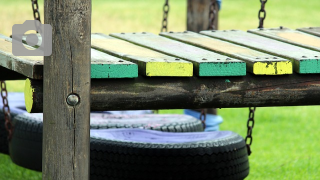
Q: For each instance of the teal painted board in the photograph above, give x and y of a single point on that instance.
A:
(311, 30)
(304, 61)
(107, 66)
(290, 36)
(257, 62)
(206, 63)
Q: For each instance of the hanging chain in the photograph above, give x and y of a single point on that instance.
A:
(166, 8)
(262, 13)
(35, 8)
(6, 109)
(212, 15)
(250, 125)
(202, 117)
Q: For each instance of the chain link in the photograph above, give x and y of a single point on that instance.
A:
(262, 13)
(203, 116)
(35, 8)
(6, 109)
(250, 125)
(212, 15)
(166, 8)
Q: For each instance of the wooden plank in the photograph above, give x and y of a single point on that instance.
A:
(150, 63)
(198, 15)
(106, 66)
(290, 36)
(206, 63)
(30, 66)
(102, 64)
(311, 30)
(66, 127)
(197, 92)
(257, 63)
(304, 61)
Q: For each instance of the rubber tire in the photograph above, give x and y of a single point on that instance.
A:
(219, 158)
(16, 103)
(25, 147)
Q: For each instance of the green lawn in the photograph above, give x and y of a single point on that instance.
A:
(286, 139)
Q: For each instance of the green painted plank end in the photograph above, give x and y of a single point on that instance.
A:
(222, 69)
(114, 71)
(309, 66)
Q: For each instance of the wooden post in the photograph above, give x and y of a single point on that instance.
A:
(66, 128)
(198, 15)
(198, 20)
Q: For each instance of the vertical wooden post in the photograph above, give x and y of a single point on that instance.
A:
(198, 20)
(66, 128)
(198, 15)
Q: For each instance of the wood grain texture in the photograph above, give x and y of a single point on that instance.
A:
(30, 66)
(198, 92)
(257, 62)
(304, 61)
(205, 63)
(102, 64)
(198, 15)
(66, 129)
(150, 63)
(290, 36)
(311, 30)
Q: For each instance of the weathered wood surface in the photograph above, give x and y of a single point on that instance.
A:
(196, 92)
(304, 61)
(198, 15)
(290, 36)
(205, 63)
(102, 64)
(66, 128)
(257, 62)
(30, 66)
(311, 30)
(150, 63)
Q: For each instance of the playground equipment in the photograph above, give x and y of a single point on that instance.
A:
(66, 83)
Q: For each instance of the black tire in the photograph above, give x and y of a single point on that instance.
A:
(16, 103)
(25, 147)
(210, 158)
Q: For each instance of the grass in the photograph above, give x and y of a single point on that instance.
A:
(286, 139)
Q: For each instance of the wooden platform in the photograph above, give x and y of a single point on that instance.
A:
(189, 70)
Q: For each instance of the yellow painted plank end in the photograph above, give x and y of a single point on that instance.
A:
(272, 68)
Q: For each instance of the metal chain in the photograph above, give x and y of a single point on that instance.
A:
(166, 8)
(262, 13)
(6, 109)
(35, 8)
(212, 15)
(202, 117)
(250, 125)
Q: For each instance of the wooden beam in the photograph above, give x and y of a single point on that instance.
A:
(311, 30)
(66, 128)
(196, 92)
(198, 15)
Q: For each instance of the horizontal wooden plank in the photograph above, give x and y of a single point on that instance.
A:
(290, 36)
(206, 63)
(151, 63)
(196, 92)
(257, 62)
(304, 61)
(102, 64)
(311, 30)
(29, 66)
